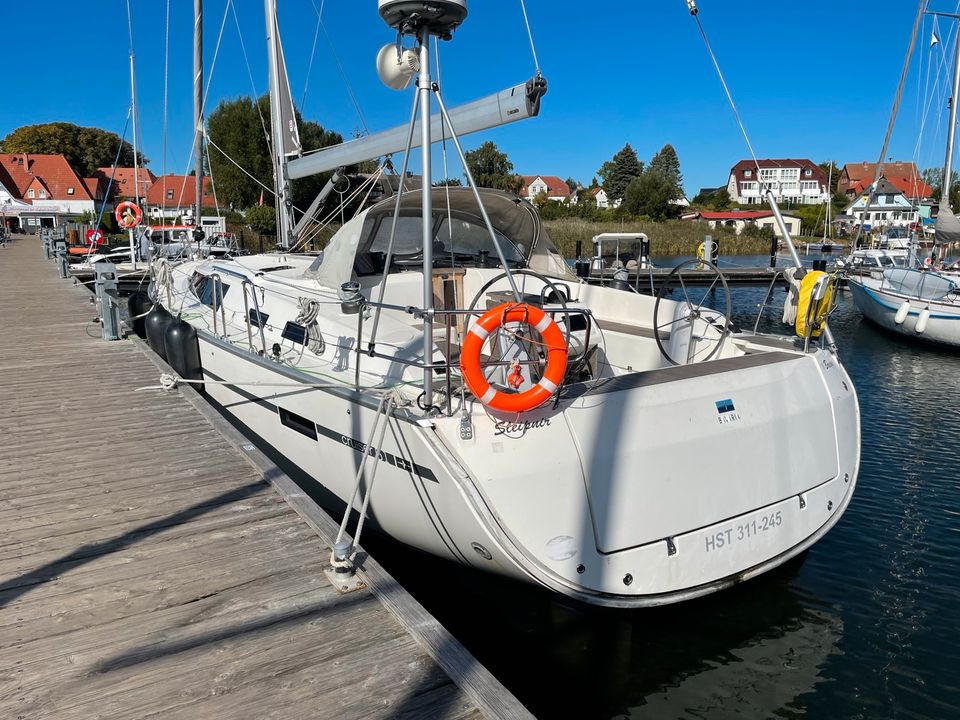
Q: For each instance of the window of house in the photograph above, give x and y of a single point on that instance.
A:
(807, 172)
(169, 194)
(43, 193)
(748, 173)
(69, 191)
(30, 193)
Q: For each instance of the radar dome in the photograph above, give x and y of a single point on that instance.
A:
(440, 17)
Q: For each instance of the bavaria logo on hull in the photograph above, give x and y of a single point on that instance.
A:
(726, 412)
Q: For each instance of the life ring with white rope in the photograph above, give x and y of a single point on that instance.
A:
(128, 214)
(552, 340)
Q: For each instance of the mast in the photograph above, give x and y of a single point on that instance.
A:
(423, 87)
(278, 135)
(198, 115)
(951, 130)
(826, 222)
(133, 111)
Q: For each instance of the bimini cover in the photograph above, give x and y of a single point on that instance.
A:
(458, 227)
(922, 285)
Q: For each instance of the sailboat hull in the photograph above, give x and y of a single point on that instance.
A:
(940, 324)
(593, 516)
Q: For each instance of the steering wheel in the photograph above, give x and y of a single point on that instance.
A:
(555, 293)
(694, 312)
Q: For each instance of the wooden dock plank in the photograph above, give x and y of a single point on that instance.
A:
(148, 571)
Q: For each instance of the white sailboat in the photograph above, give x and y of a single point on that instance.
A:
(919, 304)
(440, 370)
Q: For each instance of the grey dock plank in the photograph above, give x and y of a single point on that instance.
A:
(149, 570)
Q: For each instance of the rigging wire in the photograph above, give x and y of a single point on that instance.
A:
(723, 82)
(921, 8)
(313, 54)
(343, 74)
(533, 50)
(253, 86)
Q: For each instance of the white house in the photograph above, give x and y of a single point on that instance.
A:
(738, 220)
(890, 208)
(603, 200)
(44, 191)
(551, 185)
(798, 182)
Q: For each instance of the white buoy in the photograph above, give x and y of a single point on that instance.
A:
(922, 320)
(902, 312)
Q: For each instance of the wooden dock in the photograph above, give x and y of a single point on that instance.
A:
(148, 570)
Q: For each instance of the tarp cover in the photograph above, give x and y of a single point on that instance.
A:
(948, 227)
(915, 283)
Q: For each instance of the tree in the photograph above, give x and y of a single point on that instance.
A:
(452, 182)
(236, 129)
(719, 200)
(572, 184)
(832, 173)
(625, 168)
(650, 195)
(492, 169)
(604, 172)
(85, 148)
(262, 219)
(934, 178)
(666, 164)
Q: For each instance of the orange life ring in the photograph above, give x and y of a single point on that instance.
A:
(128, 214)
(556, 348)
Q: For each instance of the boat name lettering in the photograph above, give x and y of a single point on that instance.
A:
(510, 429)
(758, 526)
(361, 447)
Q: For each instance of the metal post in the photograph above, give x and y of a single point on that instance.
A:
(708, 248)
(133, 251)
(427, 212)
(105, 287)
(60, 252)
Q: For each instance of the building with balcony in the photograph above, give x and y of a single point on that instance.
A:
(793, 182)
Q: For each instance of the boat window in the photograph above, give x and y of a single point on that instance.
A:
(472, 239)
(203, 289)
(886, 261)
(408, 239)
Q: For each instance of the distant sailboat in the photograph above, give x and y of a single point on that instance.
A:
(920, 304)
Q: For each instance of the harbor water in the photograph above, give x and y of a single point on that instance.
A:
(864, 626)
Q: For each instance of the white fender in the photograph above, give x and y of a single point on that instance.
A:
(902, 312)
(922, 320)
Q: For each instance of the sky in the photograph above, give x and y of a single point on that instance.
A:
(811, 80)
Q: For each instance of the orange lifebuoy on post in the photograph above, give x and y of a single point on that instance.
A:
(128, 214)
(553, 340)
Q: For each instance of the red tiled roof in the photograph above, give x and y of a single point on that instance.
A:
(555, 186)
(96, 186)
(53, 170)
(123, 180)
(178, 191)
(816, 173)
(868, 170)
(910, 187)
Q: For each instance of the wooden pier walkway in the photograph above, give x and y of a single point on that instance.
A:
(147, 569)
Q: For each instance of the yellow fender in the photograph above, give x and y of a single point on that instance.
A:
(803, 304)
